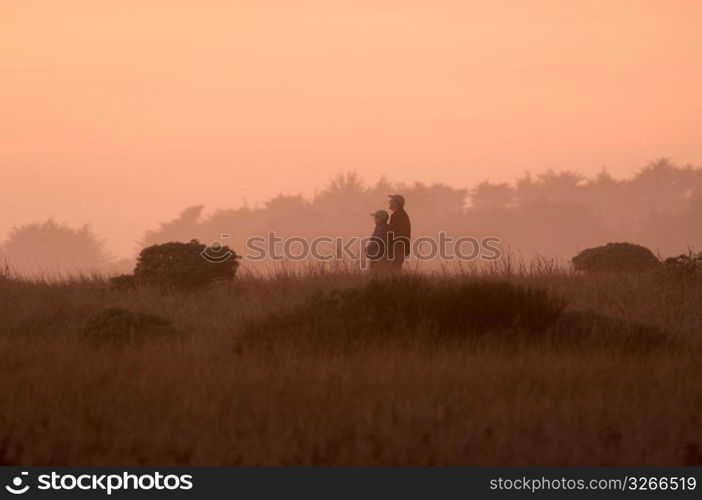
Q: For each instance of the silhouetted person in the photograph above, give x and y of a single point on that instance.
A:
(400, 231)
(379, 243)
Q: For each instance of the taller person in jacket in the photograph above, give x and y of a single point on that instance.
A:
(400, 231)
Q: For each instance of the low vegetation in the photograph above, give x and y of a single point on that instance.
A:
(685, 264)
(255, 375)
(119, 324)
(410, 307)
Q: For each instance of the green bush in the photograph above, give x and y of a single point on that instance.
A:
(616, 257)
(180, 265)
(412, 306)
(118, 324)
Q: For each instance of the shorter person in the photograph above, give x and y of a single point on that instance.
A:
(377, 249)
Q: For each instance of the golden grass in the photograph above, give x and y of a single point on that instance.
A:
(209, 397)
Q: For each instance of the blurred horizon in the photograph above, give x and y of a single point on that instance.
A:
(552, 216)
(121, 114)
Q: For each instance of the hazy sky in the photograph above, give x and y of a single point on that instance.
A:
(123, 112)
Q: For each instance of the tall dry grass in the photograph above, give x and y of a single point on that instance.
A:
(212, 395)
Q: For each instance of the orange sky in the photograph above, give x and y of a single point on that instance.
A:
(123, 112)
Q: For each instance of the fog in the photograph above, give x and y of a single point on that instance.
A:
(552, 215)
(121, 115)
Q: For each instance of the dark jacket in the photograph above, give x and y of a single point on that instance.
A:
(400, 232)
(377, 247)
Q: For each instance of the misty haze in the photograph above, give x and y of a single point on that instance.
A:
(552, 214)
(151, 151)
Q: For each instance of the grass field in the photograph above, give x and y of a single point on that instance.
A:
(620, 389)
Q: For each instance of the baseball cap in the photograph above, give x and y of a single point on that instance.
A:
(397, 197)
(381, 214)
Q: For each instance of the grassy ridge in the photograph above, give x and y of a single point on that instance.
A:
(615, 380)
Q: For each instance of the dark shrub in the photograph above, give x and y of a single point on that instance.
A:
(689, 264)
(614, 257)
(118, 324)
(411, 306)
(181, 265)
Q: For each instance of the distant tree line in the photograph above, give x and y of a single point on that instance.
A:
(550, 214)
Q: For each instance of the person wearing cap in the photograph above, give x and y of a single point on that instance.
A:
(400, 231)
(378, 244)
